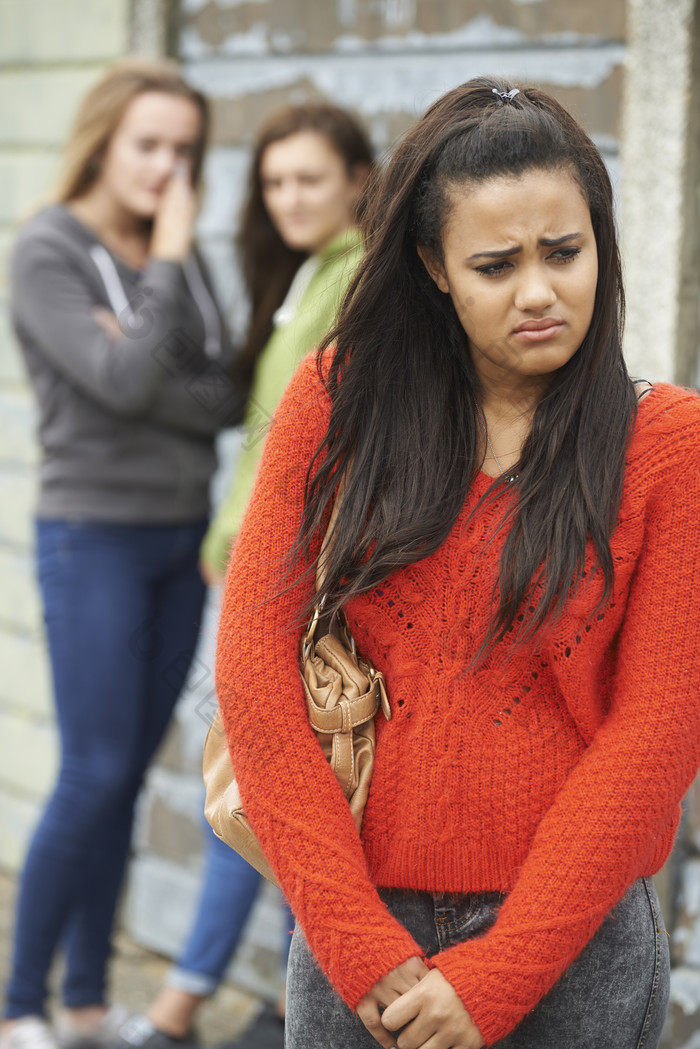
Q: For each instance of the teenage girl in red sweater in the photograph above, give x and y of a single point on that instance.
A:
(517, 551)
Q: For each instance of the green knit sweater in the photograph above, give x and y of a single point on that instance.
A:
(285, 349)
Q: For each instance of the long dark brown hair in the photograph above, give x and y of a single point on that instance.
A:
(268, 265)
(405, 394)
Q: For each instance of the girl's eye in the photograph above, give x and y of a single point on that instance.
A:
(498, 269)
(565, 254)
(494, 269)
(146, 144)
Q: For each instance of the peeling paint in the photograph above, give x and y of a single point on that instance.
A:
(193, 6)
(284, 42)
(390, 12)
(481, 31)
(236, 118)
(395, 12)
(255, 41)
(225, 173)
(401, 82)
(192, 46)
(391, 24)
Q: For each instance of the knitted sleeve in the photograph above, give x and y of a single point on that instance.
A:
(603, 829)
(292, 798)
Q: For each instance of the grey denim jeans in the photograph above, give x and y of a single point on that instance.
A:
(613, 996)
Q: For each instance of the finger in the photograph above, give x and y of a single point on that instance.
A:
(418, 966)
(436, 1041)
(368, 1012)
(442, 1041)
(406, 976)
(427, 1031)
(181, 185)
(401, 1011)
(414, 969)
(420, 1032)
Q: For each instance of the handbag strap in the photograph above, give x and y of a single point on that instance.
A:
(317, 613)
(327, 542)
(353, 713)
(347, 715)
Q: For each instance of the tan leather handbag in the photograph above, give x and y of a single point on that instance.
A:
(343, 693)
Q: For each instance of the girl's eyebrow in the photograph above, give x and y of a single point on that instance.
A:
(546, 242)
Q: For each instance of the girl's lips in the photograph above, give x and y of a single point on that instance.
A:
(540, 334)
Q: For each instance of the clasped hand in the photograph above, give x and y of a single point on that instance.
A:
(422, 1002)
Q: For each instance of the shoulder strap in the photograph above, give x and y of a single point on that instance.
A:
(646, 388)
(328, 537)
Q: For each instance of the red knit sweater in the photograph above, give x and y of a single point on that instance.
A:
(554, 775)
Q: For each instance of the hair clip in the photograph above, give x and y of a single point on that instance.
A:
(506, 96)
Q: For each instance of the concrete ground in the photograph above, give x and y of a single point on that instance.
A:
(136, 975)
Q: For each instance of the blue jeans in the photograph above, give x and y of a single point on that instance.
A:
(228, 892)
(122, 605)
(614, 994)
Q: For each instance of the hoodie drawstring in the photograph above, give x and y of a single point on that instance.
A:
(195, 282)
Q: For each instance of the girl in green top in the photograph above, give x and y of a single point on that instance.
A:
(299, 248)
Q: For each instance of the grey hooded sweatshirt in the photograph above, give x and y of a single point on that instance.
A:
(127, 424)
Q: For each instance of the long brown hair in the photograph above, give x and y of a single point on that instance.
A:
(102, 110)
(268, 265)
(405, 394)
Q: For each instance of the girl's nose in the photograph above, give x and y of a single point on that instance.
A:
(289, 194)
(535, 291)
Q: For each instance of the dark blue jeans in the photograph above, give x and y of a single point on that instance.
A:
(122, 605)
(614, 994)
(229, 889)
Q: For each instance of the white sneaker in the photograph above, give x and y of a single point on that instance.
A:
(68, 1036)
(29, 1032)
